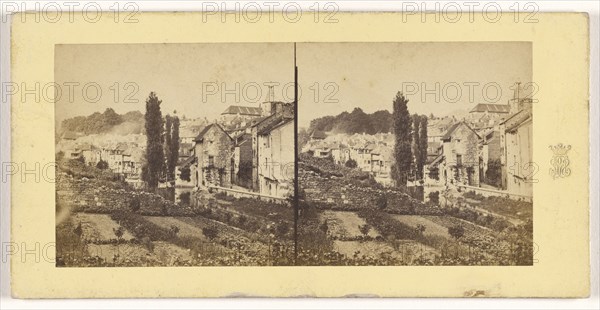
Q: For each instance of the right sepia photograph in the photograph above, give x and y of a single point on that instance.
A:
(415, 154)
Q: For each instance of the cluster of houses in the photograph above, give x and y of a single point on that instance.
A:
(490, 147)
(249, 149)
(370, 153)
(122, 154)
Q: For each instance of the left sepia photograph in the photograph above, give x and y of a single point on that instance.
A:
(175, 155)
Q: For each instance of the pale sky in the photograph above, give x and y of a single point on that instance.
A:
(176, 72)
(365, 75)
(369, 75)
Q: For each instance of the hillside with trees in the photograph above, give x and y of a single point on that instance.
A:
(110, 121)
(355, 122)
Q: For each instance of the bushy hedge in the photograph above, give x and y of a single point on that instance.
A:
(390, 227)
(141, 227)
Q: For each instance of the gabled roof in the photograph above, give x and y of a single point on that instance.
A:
(200, 136)
(69, 135)
(370, 146)
(491, 108)
(121, 146)
(318, 134)
(280, 122)
(187, 162)
(86, 147)
(436, 160)
(452, 129)
(243, 138)
(242, 110)
(515, 120)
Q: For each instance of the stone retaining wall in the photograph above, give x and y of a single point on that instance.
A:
(97, 196)
(337, 193)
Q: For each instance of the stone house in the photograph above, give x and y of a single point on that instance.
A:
(242, 175)
(340, 154)
(490, 153)
(123, 158)
(516, 155)
(213, 150)
(273, 155)
(460, 151)
(90, 153)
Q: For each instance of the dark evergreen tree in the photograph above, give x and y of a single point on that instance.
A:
(415, 146)
(167, 148)
(154, 145)
(174, 148)
(402, 130)
(422, 145)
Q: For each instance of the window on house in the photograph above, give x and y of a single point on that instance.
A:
(459, 159)
(211, 160)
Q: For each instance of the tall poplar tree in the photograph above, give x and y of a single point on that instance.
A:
(415, 146)
(422, 144)
(155, 159)
(173, 147)
(402, 131)
(167, 148)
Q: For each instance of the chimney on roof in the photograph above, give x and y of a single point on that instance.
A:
(518, 91)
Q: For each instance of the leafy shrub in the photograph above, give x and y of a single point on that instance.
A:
(102, 165)
(282, 229)
(134, 204)
(140, 227)
(493, 174)
(210, 232)
(382, 202)
(185, 174)
(185, 198)
(119, 232)
(173, 231)
(364, 229)
(456, 231)
(389, 227)
(434, 198)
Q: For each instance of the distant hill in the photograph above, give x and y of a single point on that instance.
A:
(355, 122)
(107, 122)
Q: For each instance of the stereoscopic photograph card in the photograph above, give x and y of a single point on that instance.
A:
(378, 155)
